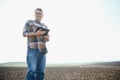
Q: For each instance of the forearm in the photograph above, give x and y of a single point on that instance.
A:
(30, 34)
(33, 34)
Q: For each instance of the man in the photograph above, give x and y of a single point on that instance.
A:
(36, 47)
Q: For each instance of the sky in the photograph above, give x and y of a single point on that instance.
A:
(80, 30)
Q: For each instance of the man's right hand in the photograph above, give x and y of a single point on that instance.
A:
(40, 33)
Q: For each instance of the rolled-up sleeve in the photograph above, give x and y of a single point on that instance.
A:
(26, 29)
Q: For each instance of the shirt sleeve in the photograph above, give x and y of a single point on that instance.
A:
(26, 29)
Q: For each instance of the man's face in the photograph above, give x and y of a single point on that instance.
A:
(38, 15)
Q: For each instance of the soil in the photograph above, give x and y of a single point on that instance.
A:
(63, 73)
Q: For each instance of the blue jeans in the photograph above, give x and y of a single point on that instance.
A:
(36, 63)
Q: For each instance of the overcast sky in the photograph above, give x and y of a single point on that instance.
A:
(80, 30)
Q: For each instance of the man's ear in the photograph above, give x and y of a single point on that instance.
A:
(42, 15)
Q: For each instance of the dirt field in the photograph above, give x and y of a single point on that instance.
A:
(63, 73)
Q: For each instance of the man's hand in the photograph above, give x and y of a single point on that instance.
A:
(40, 33)
(46, 38)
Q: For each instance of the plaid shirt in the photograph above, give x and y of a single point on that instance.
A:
(37, 41)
